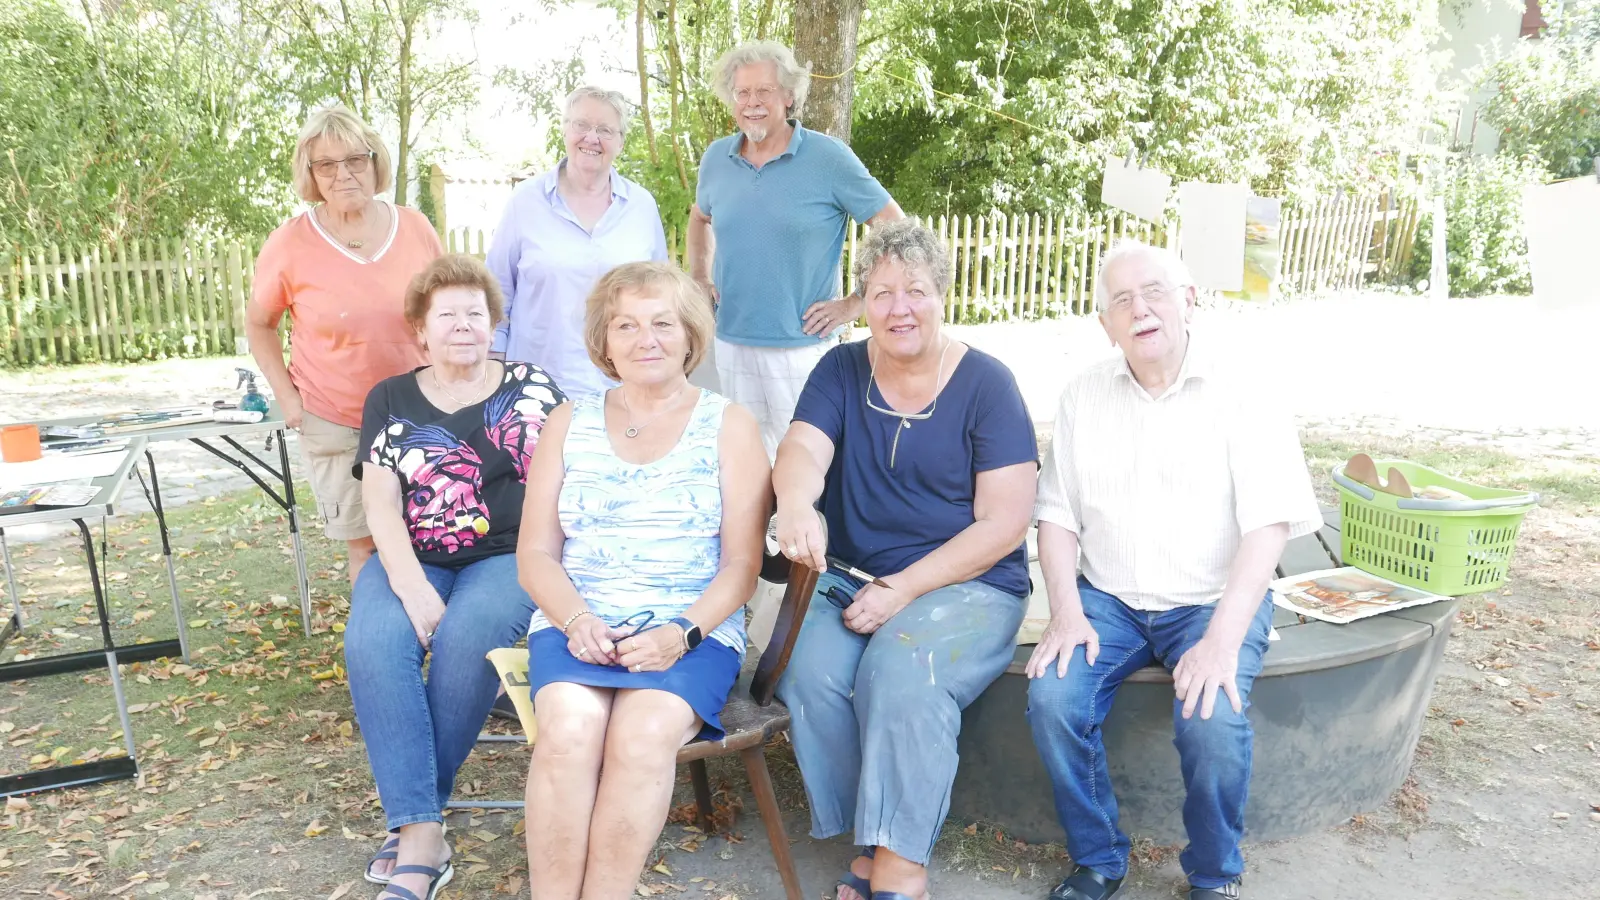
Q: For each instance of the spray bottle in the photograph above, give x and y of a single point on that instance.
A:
(252, 406)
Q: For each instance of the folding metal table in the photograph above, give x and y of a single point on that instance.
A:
(205, 435)
(110, 657)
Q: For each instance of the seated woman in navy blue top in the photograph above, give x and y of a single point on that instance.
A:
(922, 454)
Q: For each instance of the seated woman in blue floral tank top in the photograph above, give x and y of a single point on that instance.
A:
(642, 538)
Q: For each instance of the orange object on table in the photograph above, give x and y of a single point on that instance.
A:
(19, 443)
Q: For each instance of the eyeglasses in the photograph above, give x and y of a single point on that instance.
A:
(327, 168)
(838, 597)
(639, 622)
(579, 128)
(1154, 292)
(760, 95)
(906, 418)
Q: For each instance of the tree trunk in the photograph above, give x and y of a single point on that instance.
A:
(825, 37)
(644, 84)
(403, 112)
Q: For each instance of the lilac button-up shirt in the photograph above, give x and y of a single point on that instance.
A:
(547, 263)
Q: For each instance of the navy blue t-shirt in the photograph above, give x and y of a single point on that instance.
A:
(883, 519)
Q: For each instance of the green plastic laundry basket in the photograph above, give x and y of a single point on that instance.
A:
(1448, 547)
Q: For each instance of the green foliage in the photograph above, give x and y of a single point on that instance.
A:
(1546, 99)
(378, 58)
(682, 42)
(1485, 249)
(140, 121)
(1297, 96)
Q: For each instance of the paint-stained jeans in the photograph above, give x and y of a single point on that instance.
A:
(1066, 715)
(874, 718)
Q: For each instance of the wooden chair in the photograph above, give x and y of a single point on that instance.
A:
(750, 719)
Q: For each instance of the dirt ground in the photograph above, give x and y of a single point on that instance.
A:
(256, 784)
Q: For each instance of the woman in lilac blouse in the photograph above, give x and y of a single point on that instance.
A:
(560, 233)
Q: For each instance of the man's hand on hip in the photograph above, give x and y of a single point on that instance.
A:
(824, 316)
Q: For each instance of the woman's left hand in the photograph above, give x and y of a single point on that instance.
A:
(648, 651)
(872, 607)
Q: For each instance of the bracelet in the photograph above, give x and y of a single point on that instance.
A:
(567, 625)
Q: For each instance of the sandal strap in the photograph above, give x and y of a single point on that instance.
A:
(395, 890)
(889, 895)
(855, 883)
(432, 873)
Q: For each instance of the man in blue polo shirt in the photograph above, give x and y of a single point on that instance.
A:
(766, 232)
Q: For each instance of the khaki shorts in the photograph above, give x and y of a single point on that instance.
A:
(329, 451)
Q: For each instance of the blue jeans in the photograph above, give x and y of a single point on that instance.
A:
(1066, 714)
(418, 732)
(874, 718)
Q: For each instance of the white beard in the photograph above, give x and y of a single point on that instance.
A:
(755, 133)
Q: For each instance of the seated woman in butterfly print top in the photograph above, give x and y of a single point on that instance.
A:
(447, 448)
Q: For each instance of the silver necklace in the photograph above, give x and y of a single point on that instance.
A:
(446, 391)
(905, 418)
(632, 430)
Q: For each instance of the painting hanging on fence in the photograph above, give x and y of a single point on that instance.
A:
(1263, 248)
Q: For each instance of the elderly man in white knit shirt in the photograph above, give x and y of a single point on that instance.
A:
(1169, 492)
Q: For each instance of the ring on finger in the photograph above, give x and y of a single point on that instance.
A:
(583, 651)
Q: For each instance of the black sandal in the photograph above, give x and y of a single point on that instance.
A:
(1086, 884)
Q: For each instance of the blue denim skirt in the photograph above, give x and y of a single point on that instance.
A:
(703, 677)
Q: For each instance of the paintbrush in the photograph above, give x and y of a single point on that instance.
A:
(853, 572)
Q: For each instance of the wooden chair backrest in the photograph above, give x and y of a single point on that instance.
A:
(800, 581)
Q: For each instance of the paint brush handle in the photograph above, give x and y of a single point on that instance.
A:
(854, 572)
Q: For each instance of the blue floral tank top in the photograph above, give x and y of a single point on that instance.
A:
(644, 537)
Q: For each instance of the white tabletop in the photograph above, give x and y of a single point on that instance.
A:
(108, 494)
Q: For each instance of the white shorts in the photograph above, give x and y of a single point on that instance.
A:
(767, 381)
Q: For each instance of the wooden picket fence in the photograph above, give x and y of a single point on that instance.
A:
(128, 301)
(157, 299)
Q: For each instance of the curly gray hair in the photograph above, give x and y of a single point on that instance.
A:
(911, 244)
(792, 77)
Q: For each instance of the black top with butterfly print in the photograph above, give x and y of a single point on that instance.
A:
(462, 473)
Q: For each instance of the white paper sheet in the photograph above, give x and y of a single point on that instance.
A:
(51, 469)
(1142, 192)
(1211, 233)
(1562, 222)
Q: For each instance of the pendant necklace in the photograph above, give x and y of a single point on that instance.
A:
(633, 430)
(352, 243)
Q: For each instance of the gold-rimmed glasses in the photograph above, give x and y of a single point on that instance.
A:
(328, 168)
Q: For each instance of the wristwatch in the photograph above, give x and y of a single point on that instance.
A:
(691, 632)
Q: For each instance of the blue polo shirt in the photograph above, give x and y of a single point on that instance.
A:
(780, 230)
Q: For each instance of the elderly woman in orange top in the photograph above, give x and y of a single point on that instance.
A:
(340, 270)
